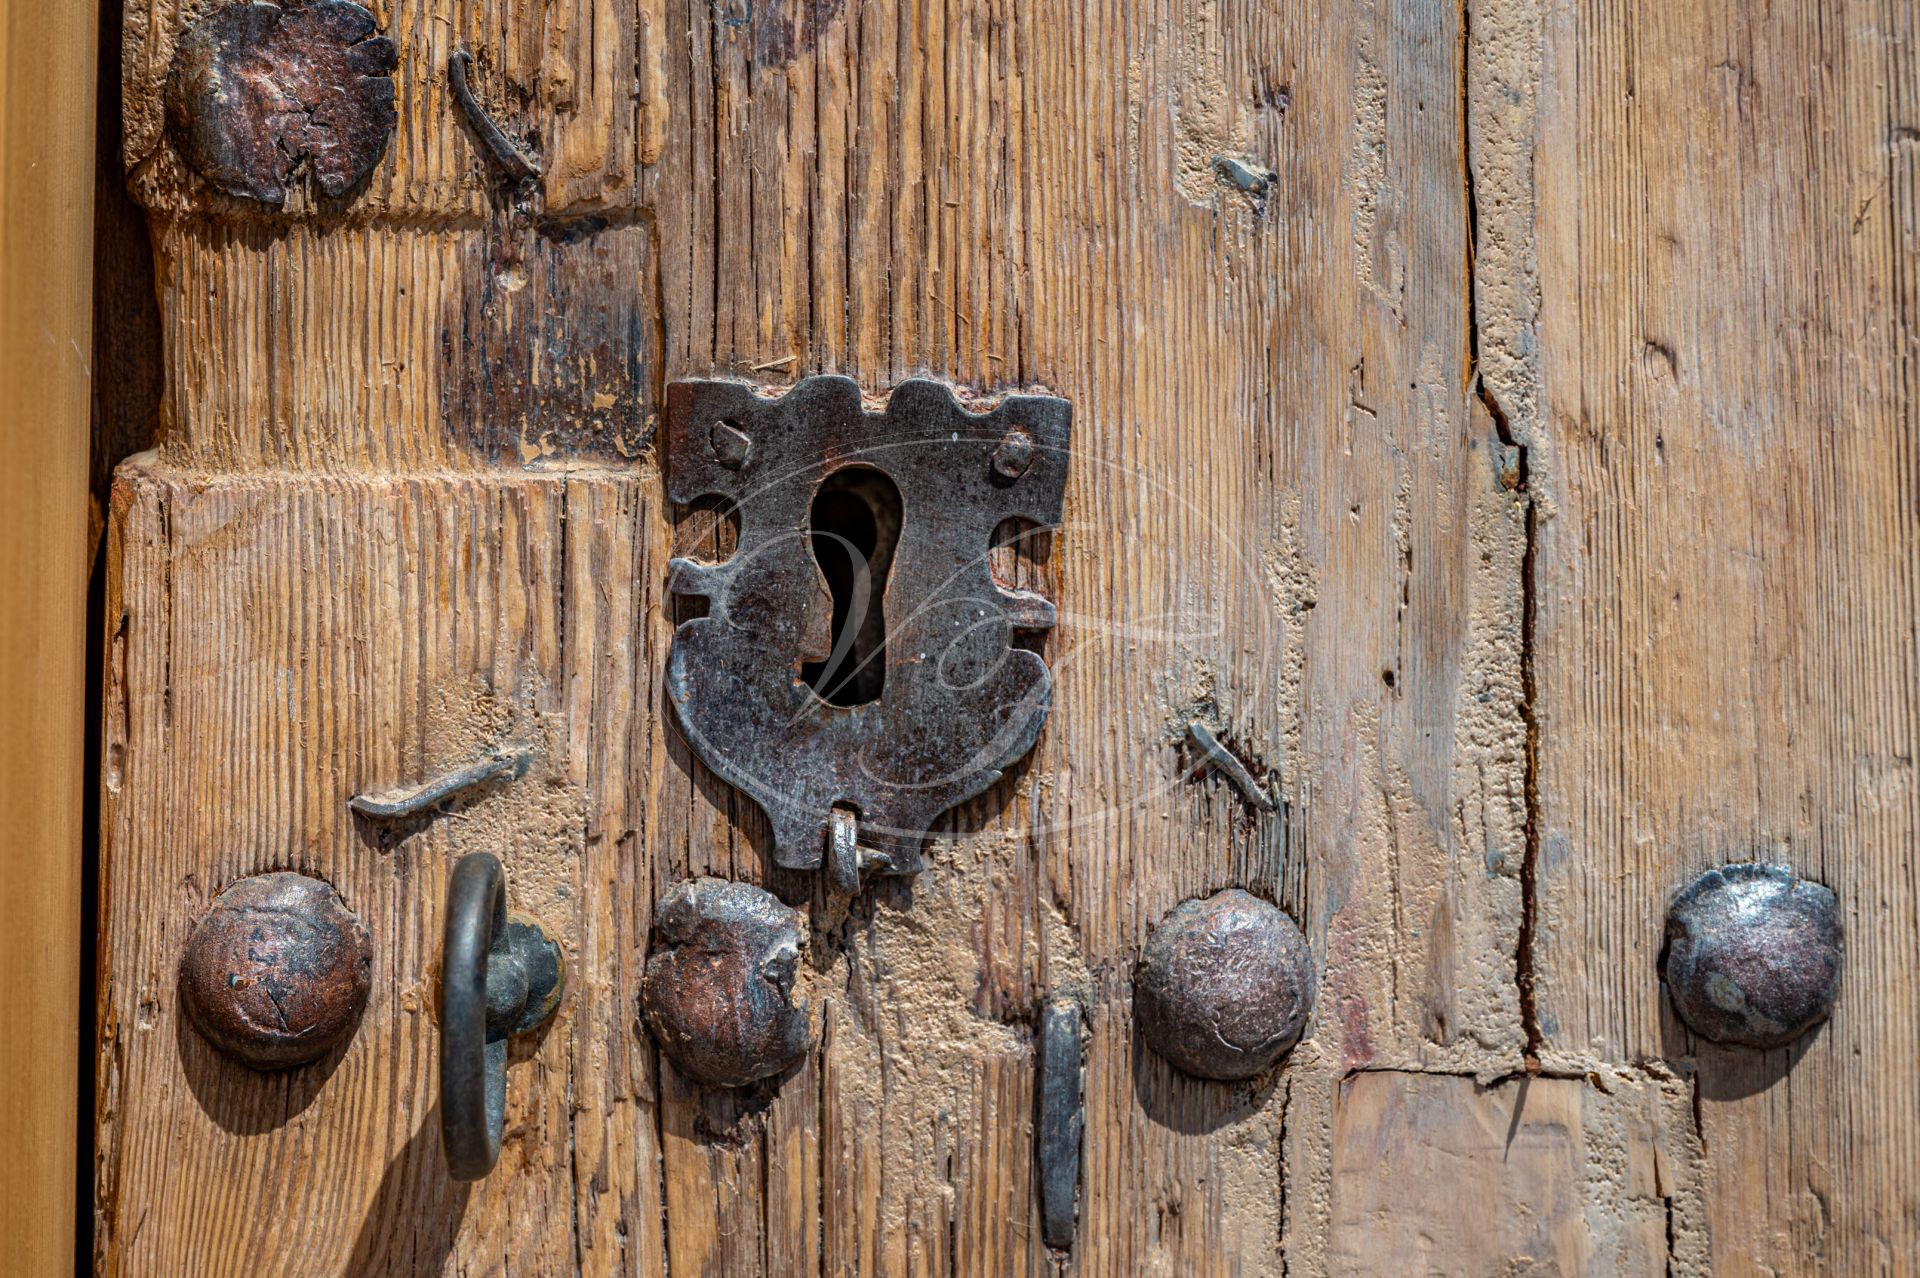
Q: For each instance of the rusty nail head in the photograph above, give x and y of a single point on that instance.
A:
(256, 92)
(1753, 955)
(718, 991)
(1014, 457)
(730, 445)
(277, 973)
(1224, 987)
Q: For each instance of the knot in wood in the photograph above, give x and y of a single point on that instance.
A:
(1224, 987)
(256, 93)
(277, 973)
(1753, 955)
(718, 991)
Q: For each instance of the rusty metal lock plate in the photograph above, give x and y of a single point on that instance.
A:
(952, 701)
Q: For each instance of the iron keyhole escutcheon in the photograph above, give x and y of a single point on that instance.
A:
(859, 669)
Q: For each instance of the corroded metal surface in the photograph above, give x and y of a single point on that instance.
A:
(1753, 955)
(510, 156)
(719, 986)
(1061, 1120)
(1215, 755)
(1225, 985)
(430, 796)
(256, 93)
(501, 975)
(844, 861)
(960, 702)
(277, 972)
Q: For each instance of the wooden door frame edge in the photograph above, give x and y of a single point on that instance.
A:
(48, 61)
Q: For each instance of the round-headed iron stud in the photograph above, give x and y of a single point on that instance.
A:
(277, 972)
(1224, 987)
(718, 991)
(1753, 955)
(257, 93)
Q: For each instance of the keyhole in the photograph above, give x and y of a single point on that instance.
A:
(856, 524)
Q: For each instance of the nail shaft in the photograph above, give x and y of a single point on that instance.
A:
(1235, 771)
(508, 154)
(424, 798)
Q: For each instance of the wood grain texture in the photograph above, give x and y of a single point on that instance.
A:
(47, 80)
(583, 80)
(1374, 468)
(418, 623)
(1434, 1173)
(1728, 662)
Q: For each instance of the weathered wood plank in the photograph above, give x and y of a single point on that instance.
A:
(1284, 516)
(383, 348)
(276, 646)
(408, 499)
(584, 81)
(47, 80)
(1727, 571)
(1156, 297)
(1437, 1174)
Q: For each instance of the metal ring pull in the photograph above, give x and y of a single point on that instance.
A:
(501, 975)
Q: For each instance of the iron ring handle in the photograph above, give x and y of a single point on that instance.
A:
(501, 975)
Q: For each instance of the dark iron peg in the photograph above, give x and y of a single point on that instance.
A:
(501, 976)
(1061, 1120)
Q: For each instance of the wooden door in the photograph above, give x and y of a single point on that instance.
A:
(1496, 421)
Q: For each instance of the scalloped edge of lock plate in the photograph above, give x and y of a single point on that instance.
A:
(962, 702)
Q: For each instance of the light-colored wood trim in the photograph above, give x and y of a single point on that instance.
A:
(47, 70)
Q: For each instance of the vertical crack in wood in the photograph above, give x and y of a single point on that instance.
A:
(824, 1137)
(1524, 976)
(1530, 782)
(1280, 1178)
(660, 1158)
(573, 1171)
(1666, 1201)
